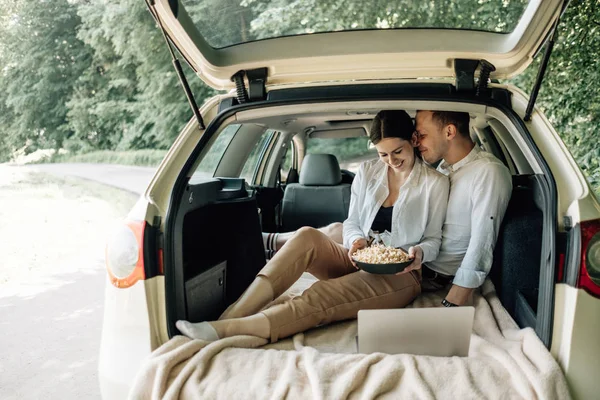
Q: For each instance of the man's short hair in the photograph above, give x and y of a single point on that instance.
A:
(459, 119)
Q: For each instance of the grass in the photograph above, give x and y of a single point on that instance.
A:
(149, 158)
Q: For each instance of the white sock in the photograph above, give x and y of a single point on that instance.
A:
(200, 330)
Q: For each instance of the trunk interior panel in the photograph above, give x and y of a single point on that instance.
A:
(516, 268)
(221, 247)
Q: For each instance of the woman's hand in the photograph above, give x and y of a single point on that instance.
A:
(356, 245)
(416, 253)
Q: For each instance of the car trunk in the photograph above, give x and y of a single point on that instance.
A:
(218, 245)
(213, 246)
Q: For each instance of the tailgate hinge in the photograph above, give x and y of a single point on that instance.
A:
(257, 79)
(464, 70)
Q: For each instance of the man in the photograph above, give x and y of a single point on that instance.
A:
(480, 188)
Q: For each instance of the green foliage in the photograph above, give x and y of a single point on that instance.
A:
(210, 162)
(87, 76)
(570, 93)
(41, 59)
(221, 22)
(291, 17)
(133, 91)
(344, 149)
(96, 75)
(226, 22)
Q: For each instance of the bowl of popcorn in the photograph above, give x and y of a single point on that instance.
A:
(380, 259)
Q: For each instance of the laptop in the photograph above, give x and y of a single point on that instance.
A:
(439, 331)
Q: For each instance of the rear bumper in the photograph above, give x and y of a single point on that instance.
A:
(125, 342)
(575, 341)
(110, 389)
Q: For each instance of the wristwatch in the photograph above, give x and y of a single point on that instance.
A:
(446, 303)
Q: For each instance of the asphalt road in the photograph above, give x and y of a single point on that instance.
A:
(130, 178)
(50, 341)
(49, 338)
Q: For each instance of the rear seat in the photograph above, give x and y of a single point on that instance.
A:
(319, 198)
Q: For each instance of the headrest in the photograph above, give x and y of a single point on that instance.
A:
(320, 170)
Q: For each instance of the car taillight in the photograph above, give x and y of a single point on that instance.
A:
(125, 254)
(589, 277)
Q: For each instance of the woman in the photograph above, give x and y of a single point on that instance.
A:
(397, 193)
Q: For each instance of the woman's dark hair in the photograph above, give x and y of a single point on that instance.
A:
(391, 124)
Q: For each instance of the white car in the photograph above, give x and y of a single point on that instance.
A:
(192, 242)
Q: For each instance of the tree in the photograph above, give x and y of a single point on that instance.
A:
(97, 75)
(41, 59)
(290, 17)
(570, 93)
(131, 89)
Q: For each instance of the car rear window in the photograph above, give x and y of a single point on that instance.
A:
(225, 23)
(208, 165)
(255, 157)
(350, 152)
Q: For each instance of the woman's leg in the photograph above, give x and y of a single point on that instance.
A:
(324, 302)
(308, 250)
(254, 325)
(273, 242)
(334, 231)
(340, 299)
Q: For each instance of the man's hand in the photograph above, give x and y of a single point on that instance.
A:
(356, 245)
(416, 253)
(461, 296)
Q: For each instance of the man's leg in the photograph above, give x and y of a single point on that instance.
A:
(308, 250)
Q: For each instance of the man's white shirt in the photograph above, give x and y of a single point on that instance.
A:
(480, 188)
(418, 214)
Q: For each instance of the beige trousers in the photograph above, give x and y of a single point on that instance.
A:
(340, 292)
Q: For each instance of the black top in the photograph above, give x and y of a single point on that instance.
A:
(383, 220)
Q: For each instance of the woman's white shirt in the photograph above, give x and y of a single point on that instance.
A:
(418, 214)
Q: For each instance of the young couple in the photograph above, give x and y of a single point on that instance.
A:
(448, 219)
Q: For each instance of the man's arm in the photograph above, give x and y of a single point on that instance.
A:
(432, 235)
(459, 295)
(490, 196)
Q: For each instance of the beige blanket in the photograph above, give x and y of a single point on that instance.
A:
(504, 362)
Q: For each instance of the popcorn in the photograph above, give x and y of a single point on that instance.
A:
(380, 254)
